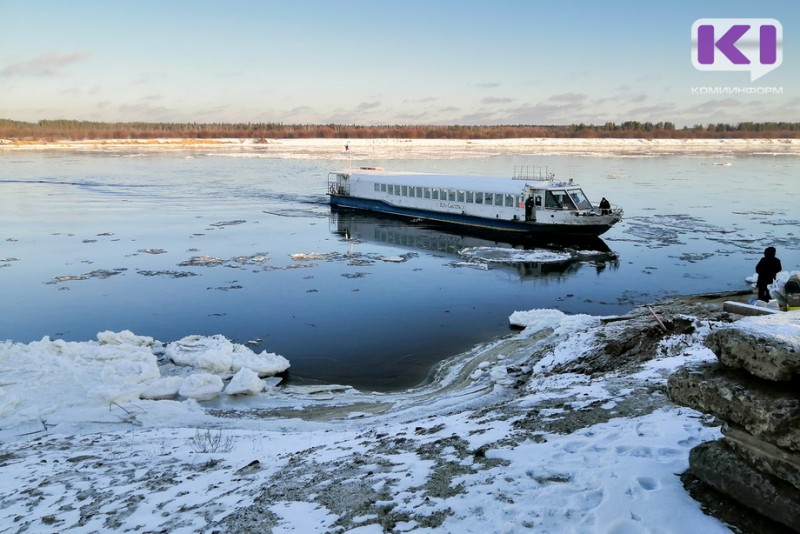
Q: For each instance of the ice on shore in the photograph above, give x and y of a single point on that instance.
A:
(56, 379)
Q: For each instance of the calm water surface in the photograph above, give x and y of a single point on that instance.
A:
(169, 245)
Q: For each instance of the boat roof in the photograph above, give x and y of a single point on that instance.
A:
(499, 184)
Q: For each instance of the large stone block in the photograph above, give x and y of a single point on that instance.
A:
(764, 456)
(768, 410)
(767, 346)
(717, 465)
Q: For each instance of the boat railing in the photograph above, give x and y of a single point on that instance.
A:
(338, 183)
(532, 172)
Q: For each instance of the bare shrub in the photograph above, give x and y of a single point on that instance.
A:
(211, 442)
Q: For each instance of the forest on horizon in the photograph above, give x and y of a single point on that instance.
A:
(76, 130)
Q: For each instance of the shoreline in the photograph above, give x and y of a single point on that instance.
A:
(388, 148)
(544, 415)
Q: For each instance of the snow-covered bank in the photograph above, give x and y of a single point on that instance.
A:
(561, 427)
(367, 149)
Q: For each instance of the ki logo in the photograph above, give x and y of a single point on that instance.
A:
(754, 45)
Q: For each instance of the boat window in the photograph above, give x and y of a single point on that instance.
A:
(419, 192)
(488, 198)
(383, 188)
(460, 196)
(470, 197)
(427, 192)
(478, 198)
(404, 190)
(509, 201)
(377, 187)
(580, 199)
(558, 200)
(435, 194)
(498, 199)
(442, 194)
(451, 195)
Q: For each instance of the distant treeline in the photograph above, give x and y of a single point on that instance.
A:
(54, 130)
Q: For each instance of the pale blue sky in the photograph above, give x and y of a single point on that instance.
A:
(379, 62)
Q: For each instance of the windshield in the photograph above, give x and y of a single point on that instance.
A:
(580, 199)
(558, 200)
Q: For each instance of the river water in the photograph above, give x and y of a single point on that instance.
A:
(174, 244)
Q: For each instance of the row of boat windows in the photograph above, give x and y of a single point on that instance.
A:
(450, 195)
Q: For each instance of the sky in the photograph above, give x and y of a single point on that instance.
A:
(383, 62)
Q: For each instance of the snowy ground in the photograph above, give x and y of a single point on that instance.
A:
(371, 149)
(561, 427)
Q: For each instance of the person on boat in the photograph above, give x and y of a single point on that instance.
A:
(605, 207)
(767, 269)
(528, 208)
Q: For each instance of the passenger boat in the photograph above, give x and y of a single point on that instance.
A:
(530, 202)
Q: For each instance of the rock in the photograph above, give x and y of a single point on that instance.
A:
(766, 346)
(718, 466)
(252, 467)
(768, 410)
(764, 456)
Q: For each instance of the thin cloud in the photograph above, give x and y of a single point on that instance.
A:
(569, 97)
(143, 111)
(44, 65)
(300, 110)
(496, 100)
(366, 106)
(652, 111)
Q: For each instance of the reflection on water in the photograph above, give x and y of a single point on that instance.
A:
(529, 257)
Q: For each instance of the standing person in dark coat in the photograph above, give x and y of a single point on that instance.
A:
(605, 207)
(529, 209)
(767, 269)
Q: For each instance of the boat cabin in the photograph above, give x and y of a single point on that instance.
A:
(519, 200)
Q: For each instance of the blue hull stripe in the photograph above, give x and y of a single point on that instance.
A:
(518, 227)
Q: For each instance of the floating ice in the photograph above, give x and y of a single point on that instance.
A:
(201, 261)
(732, 237)
(228, 223)
(312, 256)
(512, 255)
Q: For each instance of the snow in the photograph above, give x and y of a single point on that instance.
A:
(781, 326)
(369, 150)
(486, 447)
